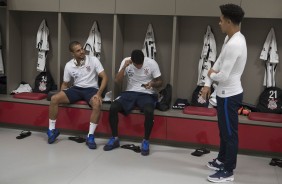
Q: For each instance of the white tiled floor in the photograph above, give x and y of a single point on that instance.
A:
(33, 161)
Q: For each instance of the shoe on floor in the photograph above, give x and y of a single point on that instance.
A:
(52, 135)
(90, 142)
(215, 165)
(145, 150)
(112, 144)
(221, 176)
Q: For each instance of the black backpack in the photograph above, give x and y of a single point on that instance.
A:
(165, 98)
(270, 100)
(196, 95)
(43, 83)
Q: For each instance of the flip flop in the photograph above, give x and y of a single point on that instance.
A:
(199, 152)
(132, 147)
(276, 162)
(24, 134)
(77, 139)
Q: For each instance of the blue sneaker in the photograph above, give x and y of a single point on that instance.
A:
(52, 135)
(112, 144)
(221, 176)
(215, 165)
(90, 142)
(145, 150)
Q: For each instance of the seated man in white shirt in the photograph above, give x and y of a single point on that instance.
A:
(143, 76)
(84, 70)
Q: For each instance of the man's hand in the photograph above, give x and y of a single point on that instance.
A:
(211, 71)
(205, 92)
(148, 85)
(127, 63)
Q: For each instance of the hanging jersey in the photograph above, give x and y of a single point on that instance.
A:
(1, 58)
(43, 45)
(269, 54)
(136, 77)
(149, 47)
(269, 75)
(93, 43)
(208, 56)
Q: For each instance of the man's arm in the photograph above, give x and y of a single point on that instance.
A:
(64, 86)
(104, 82)
(155, 83)
(120, 75)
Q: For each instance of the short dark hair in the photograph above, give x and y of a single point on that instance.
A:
(233, 12)
(137, 57)
(72, 44)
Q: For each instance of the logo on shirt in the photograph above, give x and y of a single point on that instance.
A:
(88, 68)
(272, 104)
(43, 83)
(130, 73)
(146, 71)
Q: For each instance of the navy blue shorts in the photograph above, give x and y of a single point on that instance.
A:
(131, 99)
(75, 94)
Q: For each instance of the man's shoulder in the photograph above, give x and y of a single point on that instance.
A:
(150, 61)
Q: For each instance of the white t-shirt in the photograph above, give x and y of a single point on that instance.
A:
(136, 77)
(86, 75)
(230, 65)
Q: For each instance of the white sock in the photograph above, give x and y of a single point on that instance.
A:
(52, 124)
(92, 128)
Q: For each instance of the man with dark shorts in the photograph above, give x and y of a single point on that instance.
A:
(143, 77)
(84, 70)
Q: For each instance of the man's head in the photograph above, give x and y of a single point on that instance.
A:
(77, 51)
(231, 15)
(137, 57)
(233, 12)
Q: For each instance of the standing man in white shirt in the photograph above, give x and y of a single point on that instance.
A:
(143, 77)
(227, 71)
(84, 70)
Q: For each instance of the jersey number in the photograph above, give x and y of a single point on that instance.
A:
(273, 94)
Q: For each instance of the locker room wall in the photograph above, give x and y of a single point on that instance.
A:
(191, 37)
(255, 31)
(24, 39)
(3, 31)
(179, 27)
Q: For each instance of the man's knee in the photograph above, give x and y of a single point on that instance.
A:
(115, 107)
(96, 104)
(55, 99)
(149, 109)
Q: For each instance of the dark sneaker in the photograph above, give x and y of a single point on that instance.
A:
(215, 165)
(52, 135)
(145, 150)
(90, 142)
(112, 144)
(221, 176)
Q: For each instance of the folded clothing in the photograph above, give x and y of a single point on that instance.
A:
(23, 87)
(261, 116)
(30, 96)
(202, 111)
